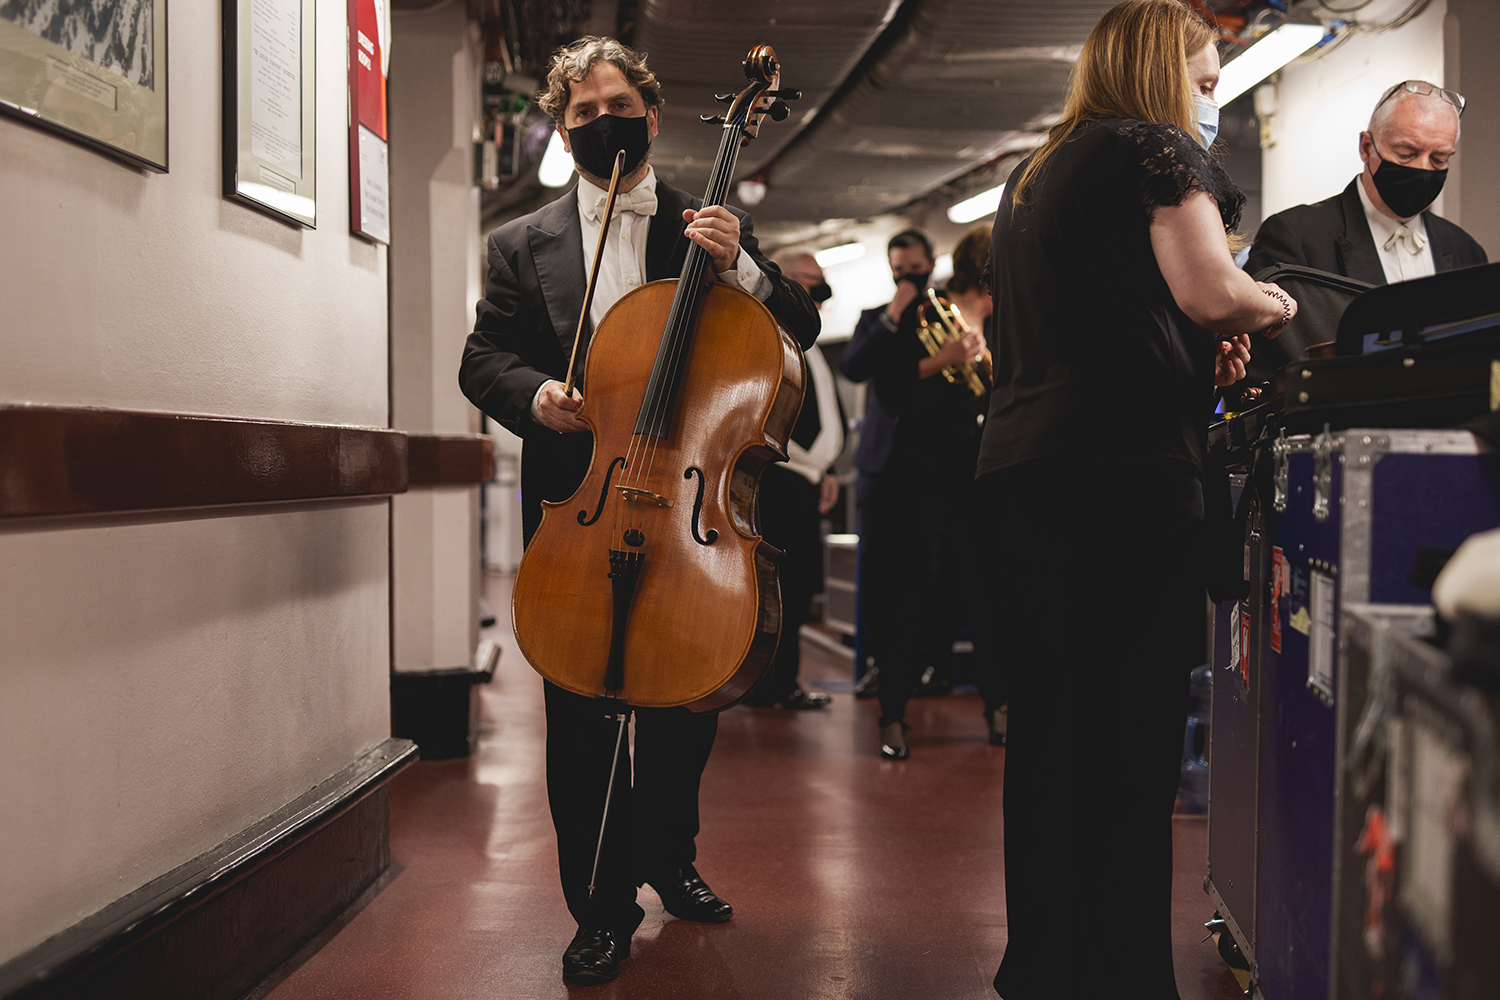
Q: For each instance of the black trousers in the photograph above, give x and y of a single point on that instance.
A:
(789, 520)
(920, 574)
(653, 819)
(1101, 596)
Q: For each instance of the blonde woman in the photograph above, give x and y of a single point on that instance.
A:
(1117, 310)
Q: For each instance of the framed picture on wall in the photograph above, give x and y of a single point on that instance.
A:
(270, 107)
(96, 73)
(369, 134)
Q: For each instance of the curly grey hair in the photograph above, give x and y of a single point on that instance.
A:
(573, 63)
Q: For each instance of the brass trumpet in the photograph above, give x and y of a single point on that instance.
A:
(948, 324)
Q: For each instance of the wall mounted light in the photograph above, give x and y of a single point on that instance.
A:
(1265, 57)
(982, 204)
(841, 254)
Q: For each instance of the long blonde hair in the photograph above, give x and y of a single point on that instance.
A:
(1133, 65)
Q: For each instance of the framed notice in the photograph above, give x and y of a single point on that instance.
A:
(270, 102)
(369, 134)
(94, 72)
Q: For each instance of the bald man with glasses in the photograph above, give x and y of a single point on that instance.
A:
(1379, 230)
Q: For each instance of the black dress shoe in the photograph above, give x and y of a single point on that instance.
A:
(803, 700)
(687, 896)
(998, 720)
(594, 956)
(893, 740)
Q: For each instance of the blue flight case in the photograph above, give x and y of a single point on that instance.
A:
(1345, 518)
(1419, 820)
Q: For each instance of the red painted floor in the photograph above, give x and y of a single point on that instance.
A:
(851, 876)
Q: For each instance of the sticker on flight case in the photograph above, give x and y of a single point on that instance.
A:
(1320, 654)
(1281, 585)
(1300, 620)
(1245, 647)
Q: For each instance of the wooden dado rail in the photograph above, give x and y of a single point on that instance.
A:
(83, 460)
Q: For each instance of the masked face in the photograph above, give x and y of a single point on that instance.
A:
(596, 143)
(918, 280)
(1406, 190)
(1208, 119)
(820, 293)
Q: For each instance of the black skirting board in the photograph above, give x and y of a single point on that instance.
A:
(215, 926)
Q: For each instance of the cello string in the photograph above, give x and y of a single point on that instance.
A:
(695, 272)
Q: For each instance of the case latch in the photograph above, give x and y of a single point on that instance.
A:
(1279, 451)
(1322, 474)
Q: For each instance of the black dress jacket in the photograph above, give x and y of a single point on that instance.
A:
(1333, 235)
(912, 426)
(525, 325)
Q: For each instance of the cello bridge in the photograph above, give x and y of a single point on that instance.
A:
(634, 494)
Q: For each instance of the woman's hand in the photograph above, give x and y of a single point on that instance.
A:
(1229, 363)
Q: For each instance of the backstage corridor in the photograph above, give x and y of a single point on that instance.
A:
(850, 876)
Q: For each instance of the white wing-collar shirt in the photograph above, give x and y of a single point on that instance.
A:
(1405, 252)
(622, 267)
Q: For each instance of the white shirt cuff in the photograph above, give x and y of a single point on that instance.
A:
(748, 275)
(536, 409)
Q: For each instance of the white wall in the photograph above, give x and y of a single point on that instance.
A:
(1324, 101)
(166, 680)
(164, 683)
(435, 270)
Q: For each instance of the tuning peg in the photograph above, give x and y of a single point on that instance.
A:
(724, 98)
(778, 110)
(711, 119)
(785, 95)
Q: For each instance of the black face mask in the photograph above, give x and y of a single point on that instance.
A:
(919, 281)
(595, 144)
(1407, 190)
(820, 292)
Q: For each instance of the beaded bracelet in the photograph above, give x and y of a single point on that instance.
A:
(1286, 314)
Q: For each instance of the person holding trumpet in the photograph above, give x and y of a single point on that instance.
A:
(918, 444)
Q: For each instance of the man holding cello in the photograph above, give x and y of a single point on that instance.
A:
(605, 100)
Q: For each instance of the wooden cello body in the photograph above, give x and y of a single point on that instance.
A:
(705, 618)
(651, 583)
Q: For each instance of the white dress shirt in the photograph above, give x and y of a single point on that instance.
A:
(622, 267)
(812, 463)
(1404, 250)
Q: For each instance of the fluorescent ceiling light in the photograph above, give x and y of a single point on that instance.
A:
(982, 204)
(1264, 58)
(557, 166)
(841, 254)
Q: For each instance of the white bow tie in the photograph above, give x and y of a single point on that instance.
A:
(1404, 235)
(641, 201)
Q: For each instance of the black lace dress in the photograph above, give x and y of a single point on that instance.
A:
(1093, 354)
(1090, 488)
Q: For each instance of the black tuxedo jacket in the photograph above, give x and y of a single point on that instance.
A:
(912, 426)
(525, 324)
(1333, 235)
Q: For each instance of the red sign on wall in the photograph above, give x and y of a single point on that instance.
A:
(369, 162)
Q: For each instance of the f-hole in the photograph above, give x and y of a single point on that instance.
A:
(583, 515)
(712, 535)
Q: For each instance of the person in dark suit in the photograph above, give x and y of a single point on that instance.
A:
(604, 99)
(793, 497)
(1380, 228)
(1413, 133)
(917, 447)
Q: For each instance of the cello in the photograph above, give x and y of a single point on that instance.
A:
(650, 586)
